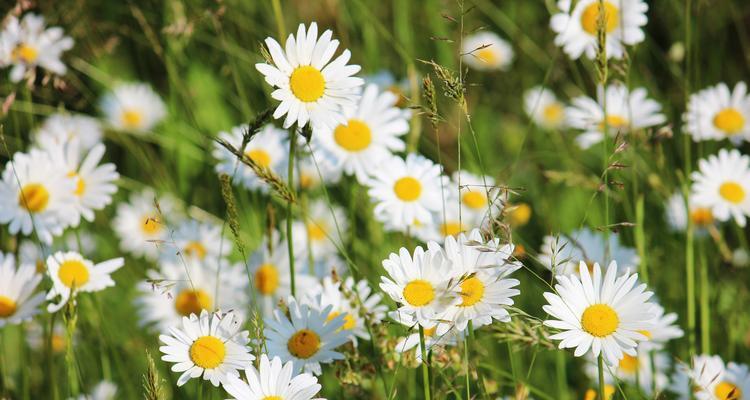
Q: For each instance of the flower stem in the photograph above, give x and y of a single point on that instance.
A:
(467, 341)
(562, 379)
(289, 238)
(705, 308)
(425, 367)
(602, 389)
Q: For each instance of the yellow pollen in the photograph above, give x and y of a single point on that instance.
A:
(34, 197)
(590, 17)
(354, 136)
(195, 249)
(472, 291)
(488, 55)
(615, 122)
(728, 391)
(303, 344)
(349, 321)
(208, 352)
(419, 293)
(520, 214)
(629, 364)
(553, 113)
(315, 232)
(7, 307)
(600, 320)
(451, 229)
(190, 301)
(307, 83)
(260, 157)
(407, 188)
(80, 183)
(729, 120)
(132, 118)
(732, 192)
(73, 273)
(475, 199)
(151, 225)
(24, 53)
(702, 216)
(267, 279)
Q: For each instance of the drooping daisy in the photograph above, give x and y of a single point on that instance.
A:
(308, 338)
(722, 184)
(441, 335)
(72, 274)
(626, 112)
(371, 132)
(677, 215)
(603, 314)
(717, 113)
(62, 128)
(210, 345)
(545, 110)
(577, 28)
(266, 149)
(140, 225)
(707, 378)
(632, 369)
(18, 303)
(133, 107)
(104, 390)
(486, 51)
(321, 230)
(36, 195)
(308, 84)
(198, 240)
(26, 44)
(405, 190)
(480, 199)
(563, 254)
(272, 381)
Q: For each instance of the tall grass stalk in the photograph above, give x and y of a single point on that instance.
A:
(561, 375)
(425, 367)
(467, 343)
(689, 251)
(71, 317)
(705, 307)
(602, 76)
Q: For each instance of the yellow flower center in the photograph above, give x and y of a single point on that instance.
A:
(727, 391)
(58, 343)
(80, 183)
(592, 394)
(520, 214)
(150, 225)
(267, 279)
(132, 118)
(195, 249)
(419, 293)
(303, 344)
(451, 229)
(73, 273)
(306, 181)
(190, 301)
(354, 136)
(260, 157)
(732, 192)
(472, 291)
(349, 321)
(553, 113)
(615, 122)
(34, 197)
(25, 53)
(7, 307)
(729, 120)
(629, 364)
(208, 352)
(646, 334)
(599, 320)
(315, 232)
(407, 188)
(590, 17)
(307, 83)
(475, 199)
(702, 216)
(488, 55)
(272, 398)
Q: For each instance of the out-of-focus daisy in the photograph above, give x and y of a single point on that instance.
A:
(632, 369)
(722, 184)
(486, 51)
(626, 112)
(593, 394)
(479, 197)
(577, 28)
(71, 274)
(26, 44)
(563, 254)
(603, 314)
(663, 329)
(36, 194)
(707, 378)
(677, 215)
(443, 223)
(210, 345)
(312, 171)
(545, 110)
(272, 381)
(62, 128)
(405, 190)
(308, 84)
(308, 339)
(38, 337)
(140, 226)
(266, 149)
(441, 335)
(18, 303)
(133, 107)
(319, 233)
(371, 132)
(385, 80)
(198, 240)
(717, 113)
(104, 390)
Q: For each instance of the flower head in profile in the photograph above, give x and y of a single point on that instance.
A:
(18, 302)
(197, 240)
(678, 216)
(486, 51)
(133, 107)
(722, 184)
(273, 380)
(266, 149)
(72, 274)
(544, 108)
(716, 113)
(26, 44)
(140, 225)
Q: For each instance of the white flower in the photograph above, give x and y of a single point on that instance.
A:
(717, 113)
(663, 329)
(321, 231)
(273, 381)
(440, 335)
(601, 314)
(562, 254)
(707, 378)
(71, 274)
(723, 184)
(140, 226)
(486, 51)
(62, 128)
(18, 303)
(104, 390)
(370, 132)
(677, 215)
(198, 240)
(266, 149)
(545, 110)
(133, 107)
(211, 346)
(309, 87)
(314, 170)
(26, 44)
(631, 366)
(481, 201)
(577, 29)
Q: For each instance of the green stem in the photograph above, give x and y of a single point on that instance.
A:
(705, 309)
(425, 367)
(602, 389)
(467, 342)
(562, 379)
(289, 239)
(279, 20)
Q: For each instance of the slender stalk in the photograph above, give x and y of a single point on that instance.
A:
(279, 19)
(562, 379)
(467, 341)
(289, 239)
(602, 389)
(705, 310)
(425, 367)
(689, 261)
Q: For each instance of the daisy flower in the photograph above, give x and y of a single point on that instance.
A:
(370, 132)
(71, 274)
(405, 190)
(308, 84)
(632, 369)
(626, 112)
(561, 255)
(139, 224)
(663, 329)
(722, 184)
(486, 51)
(210, 345)
(307, 338)
(385, 80)
(104, 390)
(319, 233)
(545, 110)
(576, 28)
(273, 381)
(133, 107)
(717, 113)
(266, 149)
(38, 337)
(677, 215)
(602, 314)
(198, 240)
(25, 44)
(62, 128)
(440, 335)
(36, 194)
(442, 223)
(707, 378)
(474, 190)
(311, 172)
(18, 303)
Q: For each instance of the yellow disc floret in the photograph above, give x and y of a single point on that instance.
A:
(590, 17)
(419, 293)
(208, 352)
(307, 83)
(303, 344)
(354, 136)
(34, 197)
(407, 189)
(600, 320)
